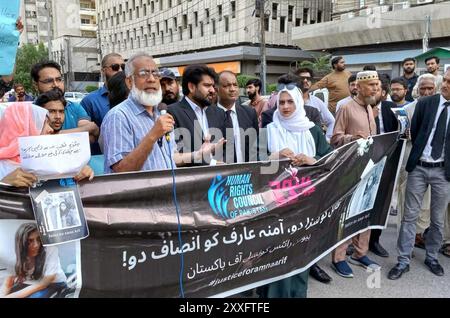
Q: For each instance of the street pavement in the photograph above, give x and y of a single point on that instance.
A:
(419, 282)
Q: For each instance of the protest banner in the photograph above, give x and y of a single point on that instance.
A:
(240, 229)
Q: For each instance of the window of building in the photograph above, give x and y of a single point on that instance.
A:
(201, 29)
(266, 23)
(282, 24)
(152, 7)
(274, 11)
(319, 16)
(196, 18)
(290, 13)
(180, 33)
(137, 12)
(207, 15)
(298, 22)
(213, 26)
(162, 37)
(227, 24)
(219, 11)
(233, 9)
(190, 31)
(185, 21)
(175, 23)
(362, 3)
(171, 35)
(160, 5)
(305, 15)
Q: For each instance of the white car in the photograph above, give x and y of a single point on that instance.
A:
(74, 97)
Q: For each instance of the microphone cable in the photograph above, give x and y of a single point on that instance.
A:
(177, 207)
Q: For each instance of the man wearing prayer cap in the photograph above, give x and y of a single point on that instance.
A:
(355, 120)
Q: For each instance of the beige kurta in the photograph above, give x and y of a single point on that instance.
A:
(337, 85)
(352, 120)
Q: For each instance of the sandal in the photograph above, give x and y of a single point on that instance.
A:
(446, 250)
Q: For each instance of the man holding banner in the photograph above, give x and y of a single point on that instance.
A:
(355, 120)
(428, 165)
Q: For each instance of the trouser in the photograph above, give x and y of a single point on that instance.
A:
(360, 242)
(292, 287)
(418, 181)
(374, 236)
(423, 221)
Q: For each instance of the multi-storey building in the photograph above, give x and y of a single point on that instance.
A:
(71, 26)
(380, 32)
(208, 31)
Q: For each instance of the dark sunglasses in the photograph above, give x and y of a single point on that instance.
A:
(289, 86)
(117, 67)
(308, 78)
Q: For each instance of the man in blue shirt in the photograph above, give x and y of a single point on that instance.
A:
(20, 94)
(132, 132)
(47, 76)
(96, 104)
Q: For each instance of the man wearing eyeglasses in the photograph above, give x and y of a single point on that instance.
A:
(132, 132)
(96, 104)
(47, 76)
(305, 82)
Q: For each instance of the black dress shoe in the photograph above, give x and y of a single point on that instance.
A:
(435, 267)
(397, 271)
(319, 274)
(377, 249)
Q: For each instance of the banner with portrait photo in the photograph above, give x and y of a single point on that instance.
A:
(25, 264)
(243, 225)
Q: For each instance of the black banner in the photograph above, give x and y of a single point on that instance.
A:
(241, 227)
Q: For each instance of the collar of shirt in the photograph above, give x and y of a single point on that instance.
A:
(256, 102)
(195, 107)
(139, 109)
(103, 90)
(233, 109)
(442, 101)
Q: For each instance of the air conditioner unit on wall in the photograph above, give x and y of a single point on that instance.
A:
(424, 1)
(401, 5)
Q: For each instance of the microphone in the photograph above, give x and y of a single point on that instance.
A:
(162, 107)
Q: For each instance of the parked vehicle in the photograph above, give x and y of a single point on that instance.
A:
(74, 97)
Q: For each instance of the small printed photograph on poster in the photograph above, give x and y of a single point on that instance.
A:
(28, 269)
(363, 199)
(59, 212)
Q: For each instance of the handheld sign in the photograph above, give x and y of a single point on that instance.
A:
(9, 36)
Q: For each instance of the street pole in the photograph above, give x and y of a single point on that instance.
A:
(427, 35)
(49, 27)
(262, 16)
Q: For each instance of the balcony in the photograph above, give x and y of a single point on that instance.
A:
(90, 12)
(88, 27)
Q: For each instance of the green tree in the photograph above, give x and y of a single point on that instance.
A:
(243, 79)
(90, 88)
(321, 65)
(27, 56)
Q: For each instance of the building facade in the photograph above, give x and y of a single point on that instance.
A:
(71, 26)
(174, 30)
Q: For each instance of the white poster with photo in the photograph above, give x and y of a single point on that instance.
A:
(55, 156)
(363, 198)
(59, 211)
(38, 271)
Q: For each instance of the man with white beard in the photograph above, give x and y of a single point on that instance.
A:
(132, 132)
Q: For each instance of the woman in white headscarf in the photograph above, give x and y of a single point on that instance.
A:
(292, 135)
(23, 120)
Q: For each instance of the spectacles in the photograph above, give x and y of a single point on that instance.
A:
(116, 67)
(56, 80)
(308, 78)
(145, 74)
(289, 86)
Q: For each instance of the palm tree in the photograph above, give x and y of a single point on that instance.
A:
(321, 65)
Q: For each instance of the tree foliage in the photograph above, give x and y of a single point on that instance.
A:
(320, 65)
(27, 56)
